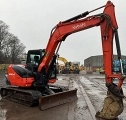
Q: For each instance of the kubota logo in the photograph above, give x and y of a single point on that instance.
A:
(79, 26)
(11, 74)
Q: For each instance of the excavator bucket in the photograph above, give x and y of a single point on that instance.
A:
(46, 102)
(112, 107)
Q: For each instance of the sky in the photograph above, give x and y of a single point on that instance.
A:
(32, 21)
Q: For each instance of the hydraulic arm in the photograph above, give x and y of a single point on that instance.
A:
(108, 26)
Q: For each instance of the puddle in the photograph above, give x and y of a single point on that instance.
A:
(3, 114)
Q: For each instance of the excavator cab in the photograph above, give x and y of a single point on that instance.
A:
(33, 59)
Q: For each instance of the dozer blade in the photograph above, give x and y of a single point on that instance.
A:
(46, 102)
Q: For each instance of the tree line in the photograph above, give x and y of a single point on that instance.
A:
(11, 48)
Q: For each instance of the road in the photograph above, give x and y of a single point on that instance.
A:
(91, 85)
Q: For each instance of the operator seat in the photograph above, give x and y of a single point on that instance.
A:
(36, 60)
(35, 64)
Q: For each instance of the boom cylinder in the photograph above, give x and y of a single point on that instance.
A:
(82, 15)
(118, 49)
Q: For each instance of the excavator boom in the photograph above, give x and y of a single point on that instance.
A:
(108, 26)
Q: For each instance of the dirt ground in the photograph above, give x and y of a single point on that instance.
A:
(76, 110)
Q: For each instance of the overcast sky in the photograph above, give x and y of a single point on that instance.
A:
(32, 20)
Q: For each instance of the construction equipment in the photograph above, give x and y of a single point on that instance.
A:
(76, 67)
(37, 85)
(69, 67)
(116, 66)
(101, 70)
(64, 60)
(25, 86)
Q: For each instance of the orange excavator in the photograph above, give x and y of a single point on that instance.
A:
(30, 87)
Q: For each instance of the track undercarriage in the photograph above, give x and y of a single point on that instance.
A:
(22, 96)
(47, 98)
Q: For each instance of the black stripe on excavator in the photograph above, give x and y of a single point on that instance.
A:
(117, 44)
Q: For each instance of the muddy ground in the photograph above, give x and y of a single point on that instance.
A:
(76, 110)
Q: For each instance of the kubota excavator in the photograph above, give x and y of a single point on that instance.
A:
(30, 87)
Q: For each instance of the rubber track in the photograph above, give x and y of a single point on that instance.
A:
(22, 96)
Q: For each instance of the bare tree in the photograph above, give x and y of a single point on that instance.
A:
(3, 34)
(15, 49)
(11, 48)
(3, 39)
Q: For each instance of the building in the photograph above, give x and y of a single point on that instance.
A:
(94, 63)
